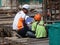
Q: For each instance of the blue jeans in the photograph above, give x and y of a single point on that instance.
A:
(30, 34)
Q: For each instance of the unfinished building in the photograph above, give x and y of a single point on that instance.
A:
(11, 6)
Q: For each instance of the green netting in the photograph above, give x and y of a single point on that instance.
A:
(0, 3)
(23, 1)
(40, 1)
(28, 1)
(54, 34)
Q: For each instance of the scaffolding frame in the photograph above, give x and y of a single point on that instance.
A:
(54, 8)
(11, 10)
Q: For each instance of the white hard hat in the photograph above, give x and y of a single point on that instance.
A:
(26, 6)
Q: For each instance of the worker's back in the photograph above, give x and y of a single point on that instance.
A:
(39, 29)
(15, 22)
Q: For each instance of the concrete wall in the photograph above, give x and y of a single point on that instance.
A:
(7, 4)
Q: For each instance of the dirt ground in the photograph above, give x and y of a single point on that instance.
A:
(24, 41)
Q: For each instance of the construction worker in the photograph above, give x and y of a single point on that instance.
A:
(38, 26)
(19, 21)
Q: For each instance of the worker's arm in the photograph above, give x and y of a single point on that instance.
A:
(33, 26)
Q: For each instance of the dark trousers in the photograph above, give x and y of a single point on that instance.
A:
(22, 32)
(31, 34)
(26, 31)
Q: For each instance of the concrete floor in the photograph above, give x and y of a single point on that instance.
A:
(29, 41)
(44, 42)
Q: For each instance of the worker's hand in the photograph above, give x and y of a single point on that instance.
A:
(45, 24)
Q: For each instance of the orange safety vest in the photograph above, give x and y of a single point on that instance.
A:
(20, 23)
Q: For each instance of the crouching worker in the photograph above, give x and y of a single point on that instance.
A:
(38, 27)
(19, 24)
(23, 28)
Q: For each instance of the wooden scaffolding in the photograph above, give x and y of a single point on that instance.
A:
(9, 7)
(51, 9)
